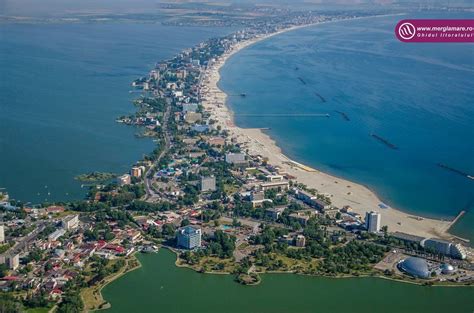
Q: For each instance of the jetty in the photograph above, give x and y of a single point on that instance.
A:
(385, 141)
(344, 115)
(454, 170)
(320, 97)
(284, 115)
(302, 80)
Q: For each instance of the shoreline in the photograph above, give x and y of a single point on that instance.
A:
(97, 290)
(399, 279)
(342, 191)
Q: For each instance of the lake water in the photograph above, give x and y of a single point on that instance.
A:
(61, 88)
(160, 286)
(417, 96)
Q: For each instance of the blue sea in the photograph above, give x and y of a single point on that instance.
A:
(61, 88)
(418, 97)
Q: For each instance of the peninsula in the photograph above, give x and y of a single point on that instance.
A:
(225, 199)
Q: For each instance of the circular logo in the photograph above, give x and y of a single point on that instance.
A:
(406, 31)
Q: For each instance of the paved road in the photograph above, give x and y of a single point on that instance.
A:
(21, 244)
(151, 194)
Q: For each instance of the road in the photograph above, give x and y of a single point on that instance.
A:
(151, 194)
(22, 243)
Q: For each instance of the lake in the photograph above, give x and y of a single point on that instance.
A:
(61, 88)
(160, 286)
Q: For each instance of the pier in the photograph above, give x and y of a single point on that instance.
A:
(302, 80)
(285, 115)
(454, 170)
(320, 97)
(385, 141)
(344, 115)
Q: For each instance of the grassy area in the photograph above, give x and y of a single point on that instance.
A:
(92, 296)
(253, 172)
(211, 264)
(39, 310)
(230, 189)
(283, 263)
(243, 245)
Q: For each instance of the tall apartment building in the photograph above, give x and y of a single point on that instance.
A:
(189, 237)
(2, 234)
(208, 183)
(372, 221)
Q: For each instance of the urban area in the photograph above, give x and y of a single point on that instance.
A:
(202, 195)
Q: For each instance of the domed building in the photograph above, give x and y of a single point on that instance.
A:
(447, 269)
(415, 267)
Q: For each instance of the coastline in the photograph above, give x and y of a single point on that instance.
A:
(342, 191)
(376, 274)
(96, 291)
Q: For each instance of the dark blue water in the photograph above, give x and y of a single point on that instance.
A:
(420, 97)
(61, 88)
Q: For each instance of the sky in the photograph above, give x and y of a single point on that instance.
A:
(46, 8)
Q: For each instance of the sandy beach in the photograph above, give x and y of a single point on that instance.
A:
(342, 192)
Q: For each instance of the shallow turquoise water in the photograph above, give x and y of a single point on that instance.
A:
(61, 88)
(417, 96)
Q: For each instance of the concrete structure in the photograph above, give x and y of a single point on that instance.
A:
(216, 141)
(190, 107)
(200, 128)
(14, 261)
(235, 158)
(189, 237)
(70, 222)
(300, 217)
(2, 234)
(281, 185)
(407, 237)
(136, 171)
(208, 183)
(447, 269)
(458, 251)
(444, 247)
(275, 213)
(372, 221)
(192, 117)
(124, 180)
(415, 267)
(300, 241)
(258, 198)
(56, 234)
(312, 200)
(274, 178)
(331, 212)
(437, 245)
